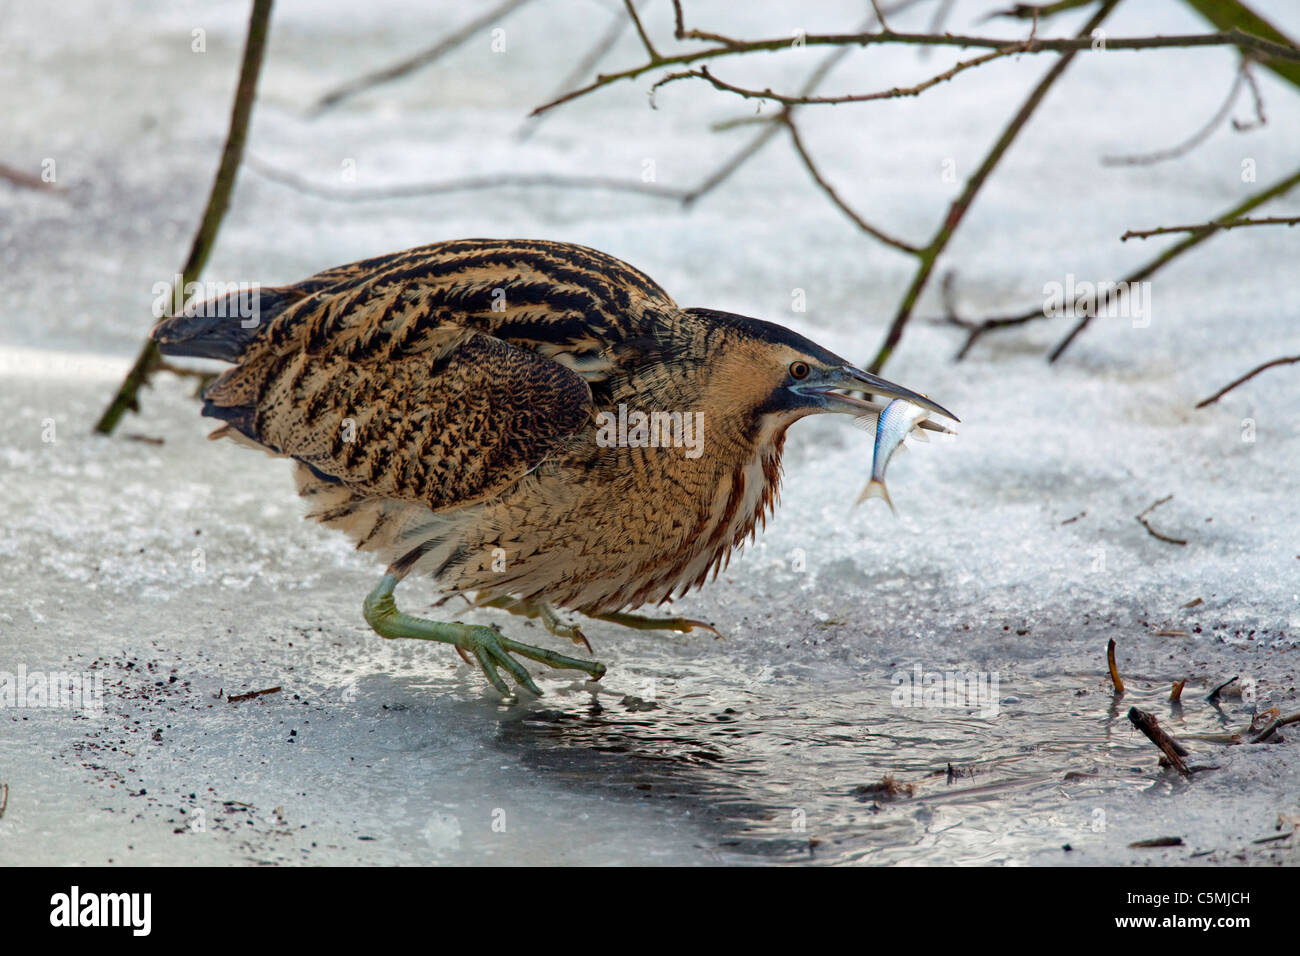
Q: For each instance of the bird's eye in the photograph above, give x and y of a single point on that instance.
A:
(799, 370)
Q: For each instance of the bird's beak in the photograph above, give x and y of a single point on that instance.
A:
(835, 385)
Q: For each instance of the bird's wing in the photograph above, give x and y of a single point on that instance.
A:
(454, 368)
(448, 428)
(560, 300)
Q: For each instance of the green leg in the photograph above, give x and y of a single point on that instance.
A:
(490, 649)
(637, 622)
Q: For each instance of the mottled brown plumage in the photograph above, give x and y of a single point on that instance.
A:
(443, 407)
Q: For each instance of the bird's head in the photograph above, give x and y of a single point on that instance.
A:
(781, 376)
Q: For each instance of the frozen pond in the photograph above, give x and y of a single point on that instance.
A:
(182, 569)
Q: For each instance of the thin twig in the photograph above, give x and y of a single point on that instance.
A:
(253, 693)
(1178, 249)
(752, 148)
(4, 799)
(218, 201)
(640, 31)
(1142, 520)
(963, 202)
(897, 92)
(978, 329)
(1242, 126)
(880, 17)
(1289, 360)
(1060, 45)
(465, 184)
(584, 66)
(1208, 227)
(415, 61)
(835, 197)
(1033, 11)
(1197, 138)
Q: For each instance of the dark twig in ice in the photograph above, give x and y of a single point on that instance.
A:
(1174, 751)
(1115, 680)
(1213, 697)
(1156, 843)
(254, 693)
(1142, 520)
(1272, 728)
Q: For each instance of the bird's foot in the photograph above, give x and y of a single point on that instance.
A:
(683, 625)
(492, 651)
(538, 609)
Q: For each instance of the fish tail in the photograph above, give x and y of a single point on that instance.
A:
(876, 489)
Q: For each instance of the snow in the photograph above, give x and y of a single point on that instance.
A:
(188, 559)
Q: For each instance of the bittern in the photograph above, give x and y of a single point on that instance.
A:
(536, 425)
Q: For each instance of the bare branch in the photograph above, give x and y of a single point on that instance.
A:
(1061, 45)
(961, 205)
(1195, 239)
(976, 330)
(1289, 360)
(584, 66)
(1208, 227)
(416, 60)
(880, 17)
(896, 92)
(1201, 135)
(750, 149)
(640, 31)
(835, 198)
(1260, 119)
(205, 237)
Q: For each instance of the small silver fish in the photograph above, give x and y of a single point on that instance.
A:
(896, 421)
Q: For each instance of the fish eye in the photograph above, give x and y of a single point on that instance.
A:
(799, 370)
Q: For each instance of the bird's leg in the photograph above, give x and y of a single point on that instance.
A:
(532, 609)
(490, 649)
(683, 625)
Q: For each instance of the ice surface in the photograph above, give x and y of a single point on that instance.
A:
(188, 559)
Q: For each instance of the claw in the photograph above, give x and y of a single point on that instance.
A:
(579, 638)
(489, 648)
(682, 625)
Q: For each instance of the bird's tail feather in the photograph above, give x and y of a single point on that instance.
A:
(224, 326)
